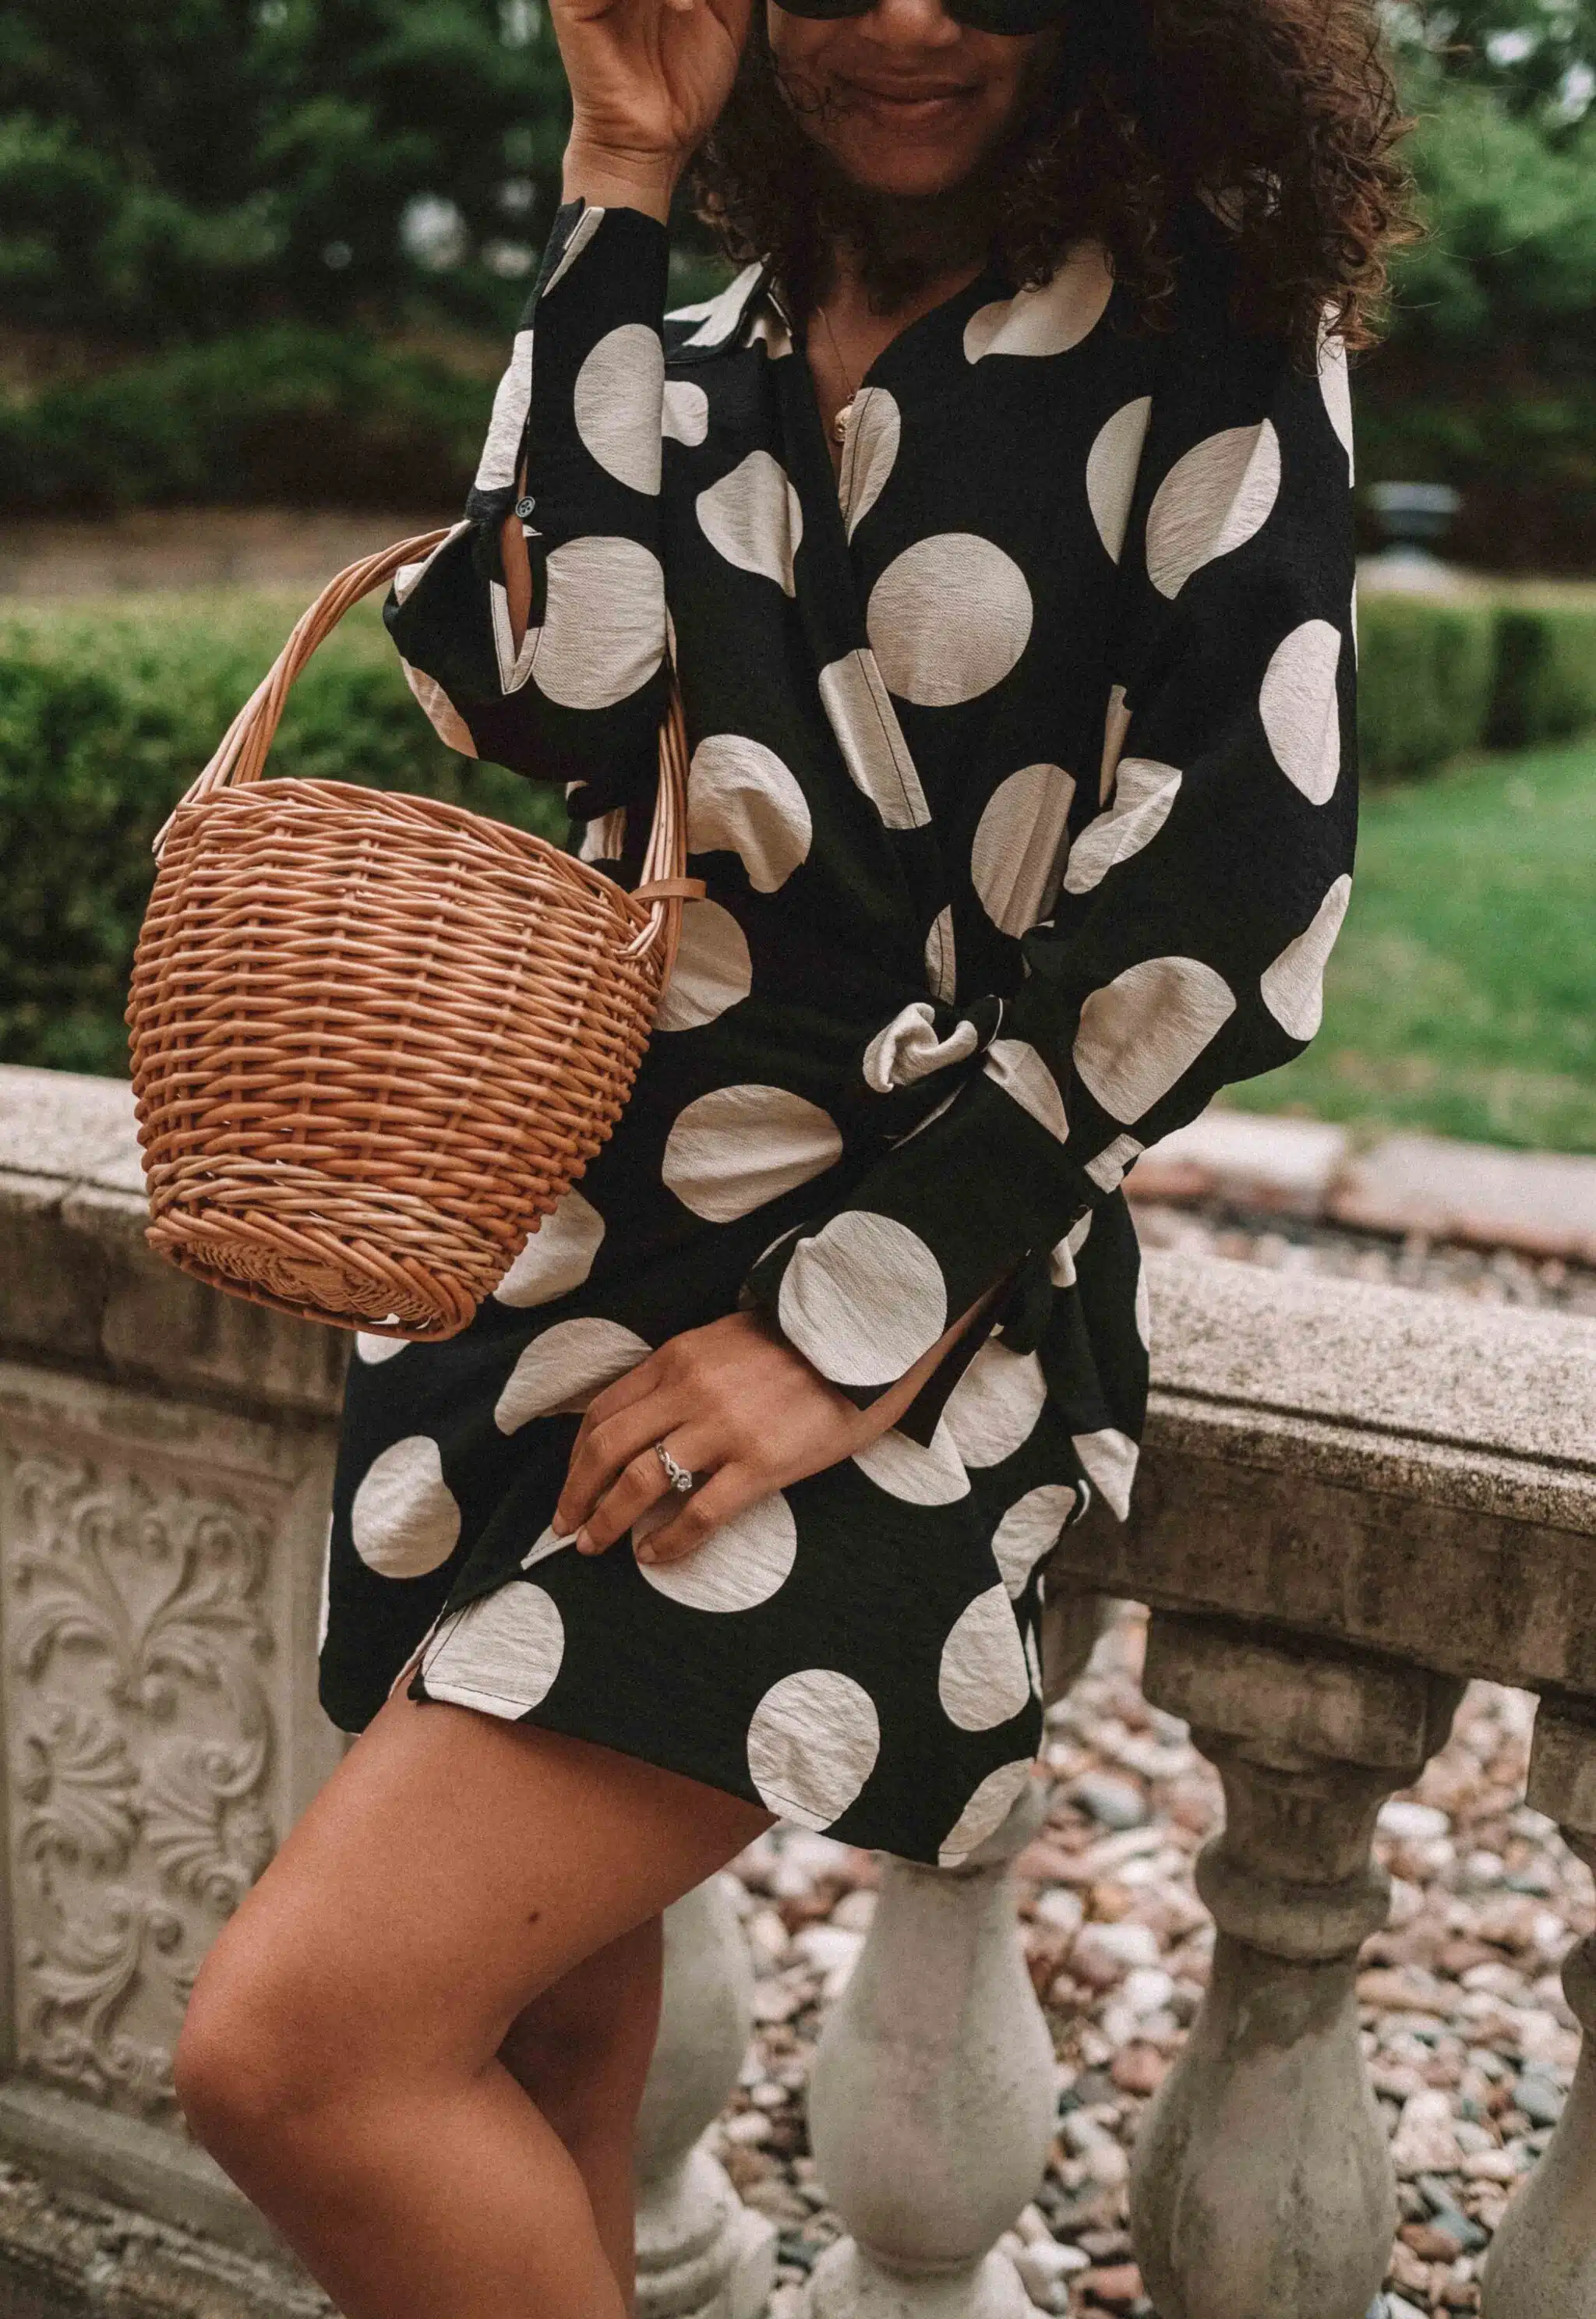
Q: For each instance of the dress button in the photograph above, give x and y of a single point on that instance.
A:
(526, 508)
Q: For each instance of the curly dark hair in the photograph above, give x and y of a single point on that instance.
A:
(1281, 115)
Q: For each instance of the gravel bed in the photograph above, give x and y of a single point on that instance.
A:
(1470, 2044)
(1287, 1244)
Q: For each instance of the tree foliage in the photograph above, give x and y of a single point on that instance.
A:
(176, 169)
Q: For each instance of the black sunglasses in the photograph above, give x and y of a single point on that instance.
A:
(1011, 16)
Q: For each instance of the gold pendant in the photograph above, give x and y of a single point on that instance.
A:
(839, 425)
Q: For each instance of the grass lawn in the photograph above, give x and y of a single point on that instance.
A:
(1462, 996)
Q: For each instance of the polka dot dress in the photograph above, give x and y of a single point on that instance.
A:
(1022, 788)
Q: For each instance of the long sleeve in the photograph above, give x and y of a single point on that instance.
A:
(571, 459)
(1200, 900)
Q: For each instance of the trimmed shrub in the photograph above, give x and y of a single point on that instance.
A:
(1425, 674)
(1544, 685)
(105, 717)
(285, 414)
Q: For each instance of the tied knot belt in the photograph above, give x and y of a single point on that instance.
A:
(923, 1038)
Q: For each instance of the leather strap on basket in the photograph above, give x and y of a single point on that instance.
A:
(241, 753)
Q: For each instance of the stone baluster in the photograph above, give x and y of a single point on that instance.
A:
(933, 2094)
(1543, 2259)
(1262, 2184)
(701, 2253)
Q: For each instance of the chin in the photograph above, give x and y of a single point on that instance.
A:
(905, 175)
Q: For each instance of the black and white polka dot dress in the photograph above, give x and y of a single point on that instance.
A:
(1022, 785)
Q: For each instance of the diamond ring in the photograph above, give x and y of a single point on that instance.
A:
(676, 1475)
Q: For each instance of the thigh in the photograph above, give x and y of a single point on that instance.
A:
(453, 1868)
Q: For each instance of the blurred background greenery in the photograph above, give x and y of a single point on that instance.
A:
(267, 254)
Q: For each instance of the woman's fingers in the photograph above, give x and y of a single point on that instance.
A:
(725, 1493)
(641, 1483)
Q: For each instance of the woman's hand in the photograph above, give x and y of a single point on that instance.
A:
(730, 1401)
(648, 80)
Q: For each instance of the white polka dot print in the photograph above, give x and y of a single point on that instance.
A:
(1020, 1071)
(1018, 856)
(1030, 1530)
(743, 1563)
(734, 1149)
(616, 404)
(500, 1654)
(1293, 988)
(713, 969)
(812, 1743)
(1034, 1661)
(324, 1615)
(557, 1257)
(993, 1410)
(753, 518)
(1336, 386)
(587, 225)
(1144, 792)
(1061, 1262)
(942, 973)
(742, 799)
(1109, 1458)
(1143, 1312)
(404, 1519)
(513, 399)
(565, 1366)
(1300, 710)
(928, 1474)
(1116, 725)
(684, 411)
(859, 712)
(908, 1048)
(986, 1811)
(1049, 319)
(870, 454)
(948, 619)
(1107, 1169)
(1141, 1033)
(717, 317)
(982, 1678)
(1111, 471)
(406, 578)
(548, 1541)
(864, 1299)
(1212, 501)
(584, 662)
(441, 713)
(374, 1350)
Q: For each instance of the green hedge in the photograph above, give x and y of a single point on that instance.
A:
(285, 414)
(104, 718)
(1437, 678)
(107, 712)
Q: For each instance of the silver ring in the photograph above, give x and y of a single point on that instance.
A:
(676, 1475)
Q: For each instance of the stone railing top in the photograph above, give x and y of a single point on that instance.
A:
(1487, 1379)
(80, 1289)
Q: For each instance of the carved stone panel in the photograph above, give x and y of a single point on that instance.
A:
(159, 1581)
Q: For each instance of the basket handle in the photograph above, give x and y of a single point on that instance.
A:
(241, 754)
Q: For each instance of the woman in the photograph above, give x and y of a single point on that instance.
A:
(996, 521)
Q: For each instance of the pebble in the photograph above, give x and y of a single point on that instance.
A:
(1117, 1804)
(1469, 2041)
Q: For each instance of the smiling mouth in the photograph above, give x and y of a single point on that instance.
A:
(910, 102)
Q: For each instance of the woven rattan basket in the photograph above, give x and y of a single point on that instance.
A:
(376, 1037)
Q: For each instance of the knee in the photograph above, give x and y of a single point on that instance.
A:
(250, 2067)
(582, 2049)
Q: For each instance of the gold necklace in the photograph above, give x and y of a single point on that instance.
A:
(839, 425)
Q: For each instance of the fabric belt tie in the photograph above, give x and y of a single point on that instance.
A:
(927, 1036)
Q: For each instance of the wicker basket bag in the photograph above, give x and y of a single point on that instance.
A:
(376, 1037)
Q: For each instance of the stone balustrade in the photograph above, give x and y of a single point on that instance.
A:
(1352, 1500)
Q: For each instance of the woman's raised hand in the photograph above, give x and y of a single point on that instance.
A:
(648, 80)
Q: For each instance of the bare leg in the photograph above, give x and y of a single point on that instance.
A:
(341, 2054)
(581, 2052)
